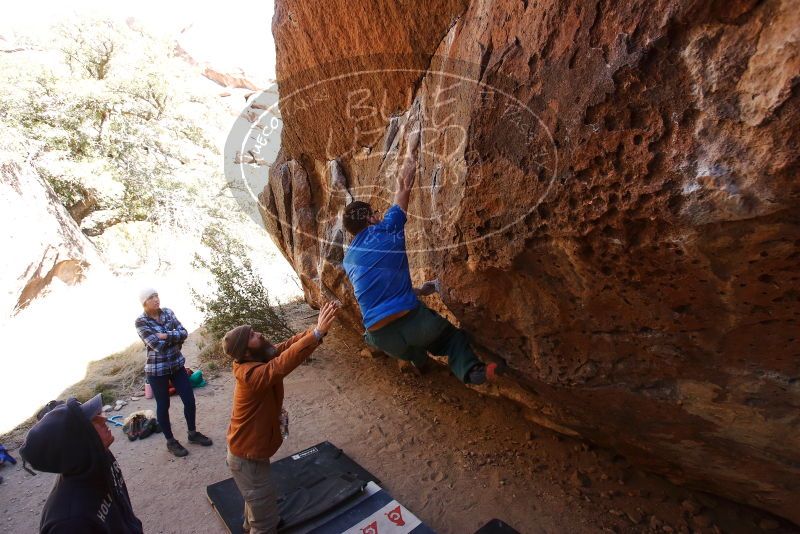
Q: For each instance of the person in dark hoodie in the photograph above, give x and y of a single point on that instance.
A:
(90, 495)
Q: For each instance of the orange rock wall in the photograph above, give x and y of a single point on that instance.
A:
(607, 191)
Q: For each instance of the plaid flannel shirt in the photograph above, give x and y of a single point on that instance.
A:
(163, 355)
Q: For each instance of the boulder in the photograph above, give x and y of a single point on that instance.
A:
(606, 191)
(41, 241)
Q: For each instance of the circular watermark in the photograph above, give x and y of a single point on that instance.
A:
(368, 130)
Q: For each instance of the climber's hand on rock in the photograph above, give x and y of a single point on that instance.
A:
(406, 182)
(413, 143)
(408, 173)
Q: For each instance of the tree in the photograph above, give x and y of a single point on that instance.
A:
(89, 49)
(107, 122)
(240, 296)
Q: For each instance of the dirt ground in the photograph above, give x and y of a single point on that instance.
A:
(454, 457)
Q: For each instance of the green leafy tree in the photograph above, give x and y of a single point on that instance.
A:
(240, 296)
(109, 121)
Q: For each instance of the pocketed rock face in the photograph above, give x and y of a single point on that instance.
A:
(608, 193)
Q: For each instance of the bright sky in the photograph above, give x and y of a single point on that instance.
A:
(215, 32)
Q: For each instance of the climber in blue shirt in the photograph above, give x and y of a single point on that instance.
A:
(377, 265)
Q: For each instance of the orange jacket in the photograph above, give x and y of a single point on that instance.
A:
(254, 432)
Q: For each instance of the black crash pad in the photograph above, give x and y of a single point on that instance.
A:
(496, 526)
(308, 483)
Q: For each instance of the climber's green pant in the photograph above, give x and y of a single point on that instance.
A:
(423, 330)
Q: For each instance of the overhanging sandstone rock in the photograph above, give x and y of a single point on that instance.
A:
(608, 193)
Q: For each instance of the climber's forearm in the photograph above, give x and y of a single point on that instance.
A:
(406, 182)
(408, 173)
(401, 198)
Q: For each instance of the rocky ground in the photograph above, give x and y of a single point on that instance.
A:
(454, 457)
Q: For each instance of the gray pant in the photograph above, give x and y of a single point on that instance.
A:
(260, 499)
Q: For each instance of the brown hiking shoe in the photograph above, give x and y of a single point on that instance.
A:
(200, 439)
(174, 446)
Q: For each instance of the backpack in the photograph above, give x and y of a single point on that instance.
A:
(5, 457)
(47, 407)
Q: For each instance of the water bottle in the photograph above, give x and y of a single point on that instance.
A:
(284, 423)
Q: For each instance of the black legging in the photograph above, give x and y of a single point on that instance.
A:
(160, 386)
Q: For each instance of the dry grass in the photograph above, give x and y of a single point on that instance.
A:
(121, 374)
(115, 376)
(212, 359)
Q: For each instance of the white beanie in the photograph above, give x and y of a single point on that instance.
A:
(146, 293)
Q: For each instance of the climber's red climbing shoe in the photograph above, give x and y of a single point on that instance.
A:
(495, 370)
(492, 371)
(482, 373)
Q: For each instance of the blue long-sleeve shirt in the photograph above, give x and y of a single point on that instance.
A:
(377, 265)
(163, 355)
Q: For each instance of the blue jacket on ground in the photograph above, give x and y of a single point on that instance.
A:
(377, 265)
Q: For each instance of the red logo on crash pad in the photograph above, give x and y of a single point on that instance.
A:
(396, 517)
(372, 528)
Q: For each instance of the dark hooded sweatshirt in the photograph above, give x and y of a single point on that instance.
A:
(90, 494)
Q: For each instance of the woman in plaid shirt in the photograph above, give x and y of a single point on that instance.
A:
(164, 335)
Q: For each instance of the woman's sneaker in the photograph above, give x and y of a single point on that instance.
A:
(200, 439)
(174, 446)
